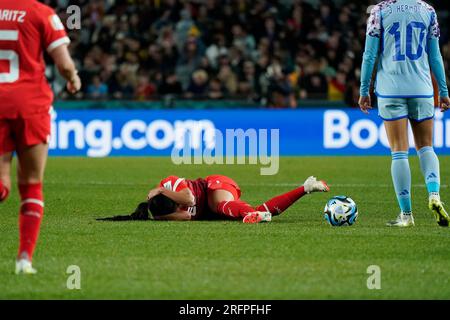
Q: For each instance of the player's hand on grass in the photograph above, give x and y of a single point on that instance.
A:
(154, 192)
(444, 104)
(74, 85)
(365, 104)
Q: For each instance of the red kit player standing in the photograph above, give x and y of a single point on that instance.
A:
(27, 28)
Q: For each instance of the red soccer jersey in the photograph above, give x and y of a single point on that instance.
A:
(27, 28)
(198, 188)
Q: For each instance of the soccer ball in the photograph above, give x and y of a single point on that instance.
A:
(341, 211)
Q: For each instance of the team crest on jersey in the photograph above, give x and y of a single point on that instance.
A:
(56, 23)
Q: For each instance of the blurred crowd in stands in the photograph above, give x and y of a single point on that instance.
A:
(271, 52)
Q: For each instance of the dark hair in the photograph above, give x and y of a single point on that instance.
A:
(161, 205)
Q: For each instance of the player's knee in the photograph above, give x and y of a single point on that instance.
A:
(423, 140)
(31, 175)
(422, 145)
(399, 146)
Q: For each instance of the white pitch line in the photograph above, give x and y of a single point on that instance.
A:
(339, 185)
(278, 185)
(98, 183)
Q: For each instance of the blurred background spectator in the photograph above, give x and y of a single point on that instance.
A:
(267, 51)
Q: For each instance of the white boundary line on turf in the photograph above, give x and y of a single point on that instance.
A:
(339, 185)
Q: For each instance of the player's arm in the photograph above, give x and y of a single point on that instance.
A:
(176, 189)
(438, 69)
(370, 56)
(176, 216)
(437, 63)
(55, 40)
(66, 67)
(183, 197)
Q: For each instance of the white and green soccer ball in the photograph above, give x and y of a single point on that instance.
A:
(341, 211)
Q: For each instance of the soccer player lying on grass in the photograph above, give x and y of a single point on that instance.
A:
(218, 197)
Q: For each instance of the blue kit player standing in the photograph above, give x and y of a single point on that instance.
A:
(403, 40)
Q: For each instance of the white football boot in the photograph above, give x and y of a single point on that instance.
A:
(312, 185)
(23, 266)
(436, 206)
(257, 217)
(402, 221)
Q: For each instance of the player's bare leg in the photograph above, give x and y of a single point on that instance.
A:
(429, 163)
(423, 133)
(224, 202)
(30, 174)
(397, 133)
(32, 161)
(5, 175)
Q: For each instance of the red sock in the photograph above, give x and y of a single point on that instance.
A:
(280, 203)
(4, 192)
(235, 209)
(31, 212)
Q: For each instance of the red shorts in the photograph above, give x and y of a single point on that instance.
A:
(21, 133)
(218, 182)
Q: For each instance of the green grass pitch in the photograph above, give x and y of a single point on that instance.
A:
(297, 256)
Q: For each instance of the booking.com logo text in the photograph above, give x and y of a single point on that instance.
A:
(340, 132)
(209, 139)
(187, 141)
(96, 136)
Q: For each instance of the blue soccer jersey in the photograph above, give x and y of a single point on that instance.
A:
(404, 29)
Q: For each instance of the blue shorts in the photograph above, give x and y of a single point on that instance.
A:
(416, 109)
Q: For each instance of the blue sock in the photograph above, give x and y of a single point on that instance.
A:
(429, 163)
(401, 176)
